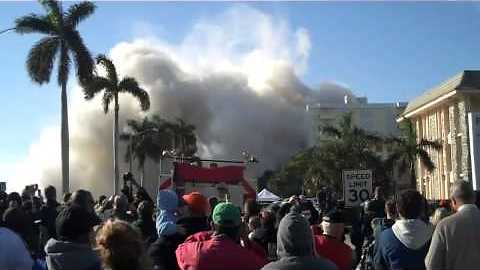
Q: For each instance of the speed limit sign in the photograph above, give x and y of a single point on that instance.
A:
(357, 186)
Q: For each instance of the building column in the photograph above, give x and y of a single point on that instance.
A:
(418, 166)
(443, 130)
(453, 141)
(463, 108)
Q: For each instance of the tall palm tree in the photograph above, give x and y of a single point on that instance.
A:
(406, 150)
(112, 87)
(62, 43)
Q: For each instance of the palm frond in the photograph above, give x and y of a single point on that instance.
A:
(424, 143)
(64, 65)
(109, 67)
(392, 159)
(408, 131)
(127, 155)
(54, 11)
(107, 98)
(135, 125)
(95, 86)
(130, 85)
(393, 140)
(124, 136)
(81, 56)
(78, 12)
(141, 159)
(369, 137)
(331, 131)
(426, 159)
(404, 165)
(347, 121)
(184, 126)
(34, 23)
(159, 121)
(41, 58)
(6, 30)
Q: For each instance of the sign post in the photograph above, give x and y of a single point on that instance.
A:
(357, 186)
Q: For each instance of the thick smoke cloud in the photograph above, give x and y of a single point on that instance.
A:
(235, 77)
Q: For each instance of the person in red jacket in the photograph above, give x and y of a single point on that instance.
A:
(330, 244)
(221, 249)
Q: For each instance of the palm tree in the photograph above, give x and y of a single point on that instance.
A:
(354, 142)
(183, 138)
(165, 137)
(184, 135)
(62, 43)
(111, 87)
(350, 147)
(406, 150)
(147, 140)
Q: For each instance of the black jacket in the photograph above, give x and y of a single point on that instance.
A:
(146, 226)
(48, 215)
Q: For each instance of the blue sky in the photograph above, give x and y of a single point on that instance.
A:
(385, 51)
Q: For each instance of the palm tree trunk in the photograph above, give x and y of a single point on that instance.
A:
(115, 147)
(65, 140)
(413, 177)
(143, 175)
(174, 146)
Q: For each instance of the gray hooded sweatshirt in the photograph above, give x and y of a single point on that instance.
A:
(62, 255)
(295, 247)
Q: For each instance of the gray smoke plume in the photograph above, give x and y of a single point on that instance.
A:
(234, 78)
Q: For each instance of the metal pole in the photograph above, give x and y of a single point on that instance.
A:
(210, 160)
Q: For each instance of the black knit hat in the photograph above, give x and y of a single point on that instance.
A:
(334, 216)
(74, 221)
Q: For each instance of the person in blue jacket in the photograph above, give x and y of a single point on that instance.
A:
(167, 205)
(405, 245)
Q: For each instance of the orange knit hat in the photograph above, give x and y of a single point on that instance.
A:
(197, 203)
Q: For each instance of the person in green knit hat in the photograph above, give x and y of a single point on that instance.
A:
(220, 249)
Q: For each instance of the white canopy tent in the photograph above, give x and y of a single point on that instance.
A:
(267, 196)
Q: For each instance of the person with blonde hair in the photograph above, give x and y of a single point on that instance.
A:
(120, 247)
(439, 214)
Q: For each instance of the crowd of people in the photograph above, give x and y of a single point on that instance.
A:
(193, 232)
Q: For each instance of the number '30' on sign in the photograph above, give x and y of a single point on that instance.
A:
(357, 186)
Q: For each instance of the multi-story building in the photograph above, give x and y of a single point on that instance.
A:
(333, 103)
(450, 114)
